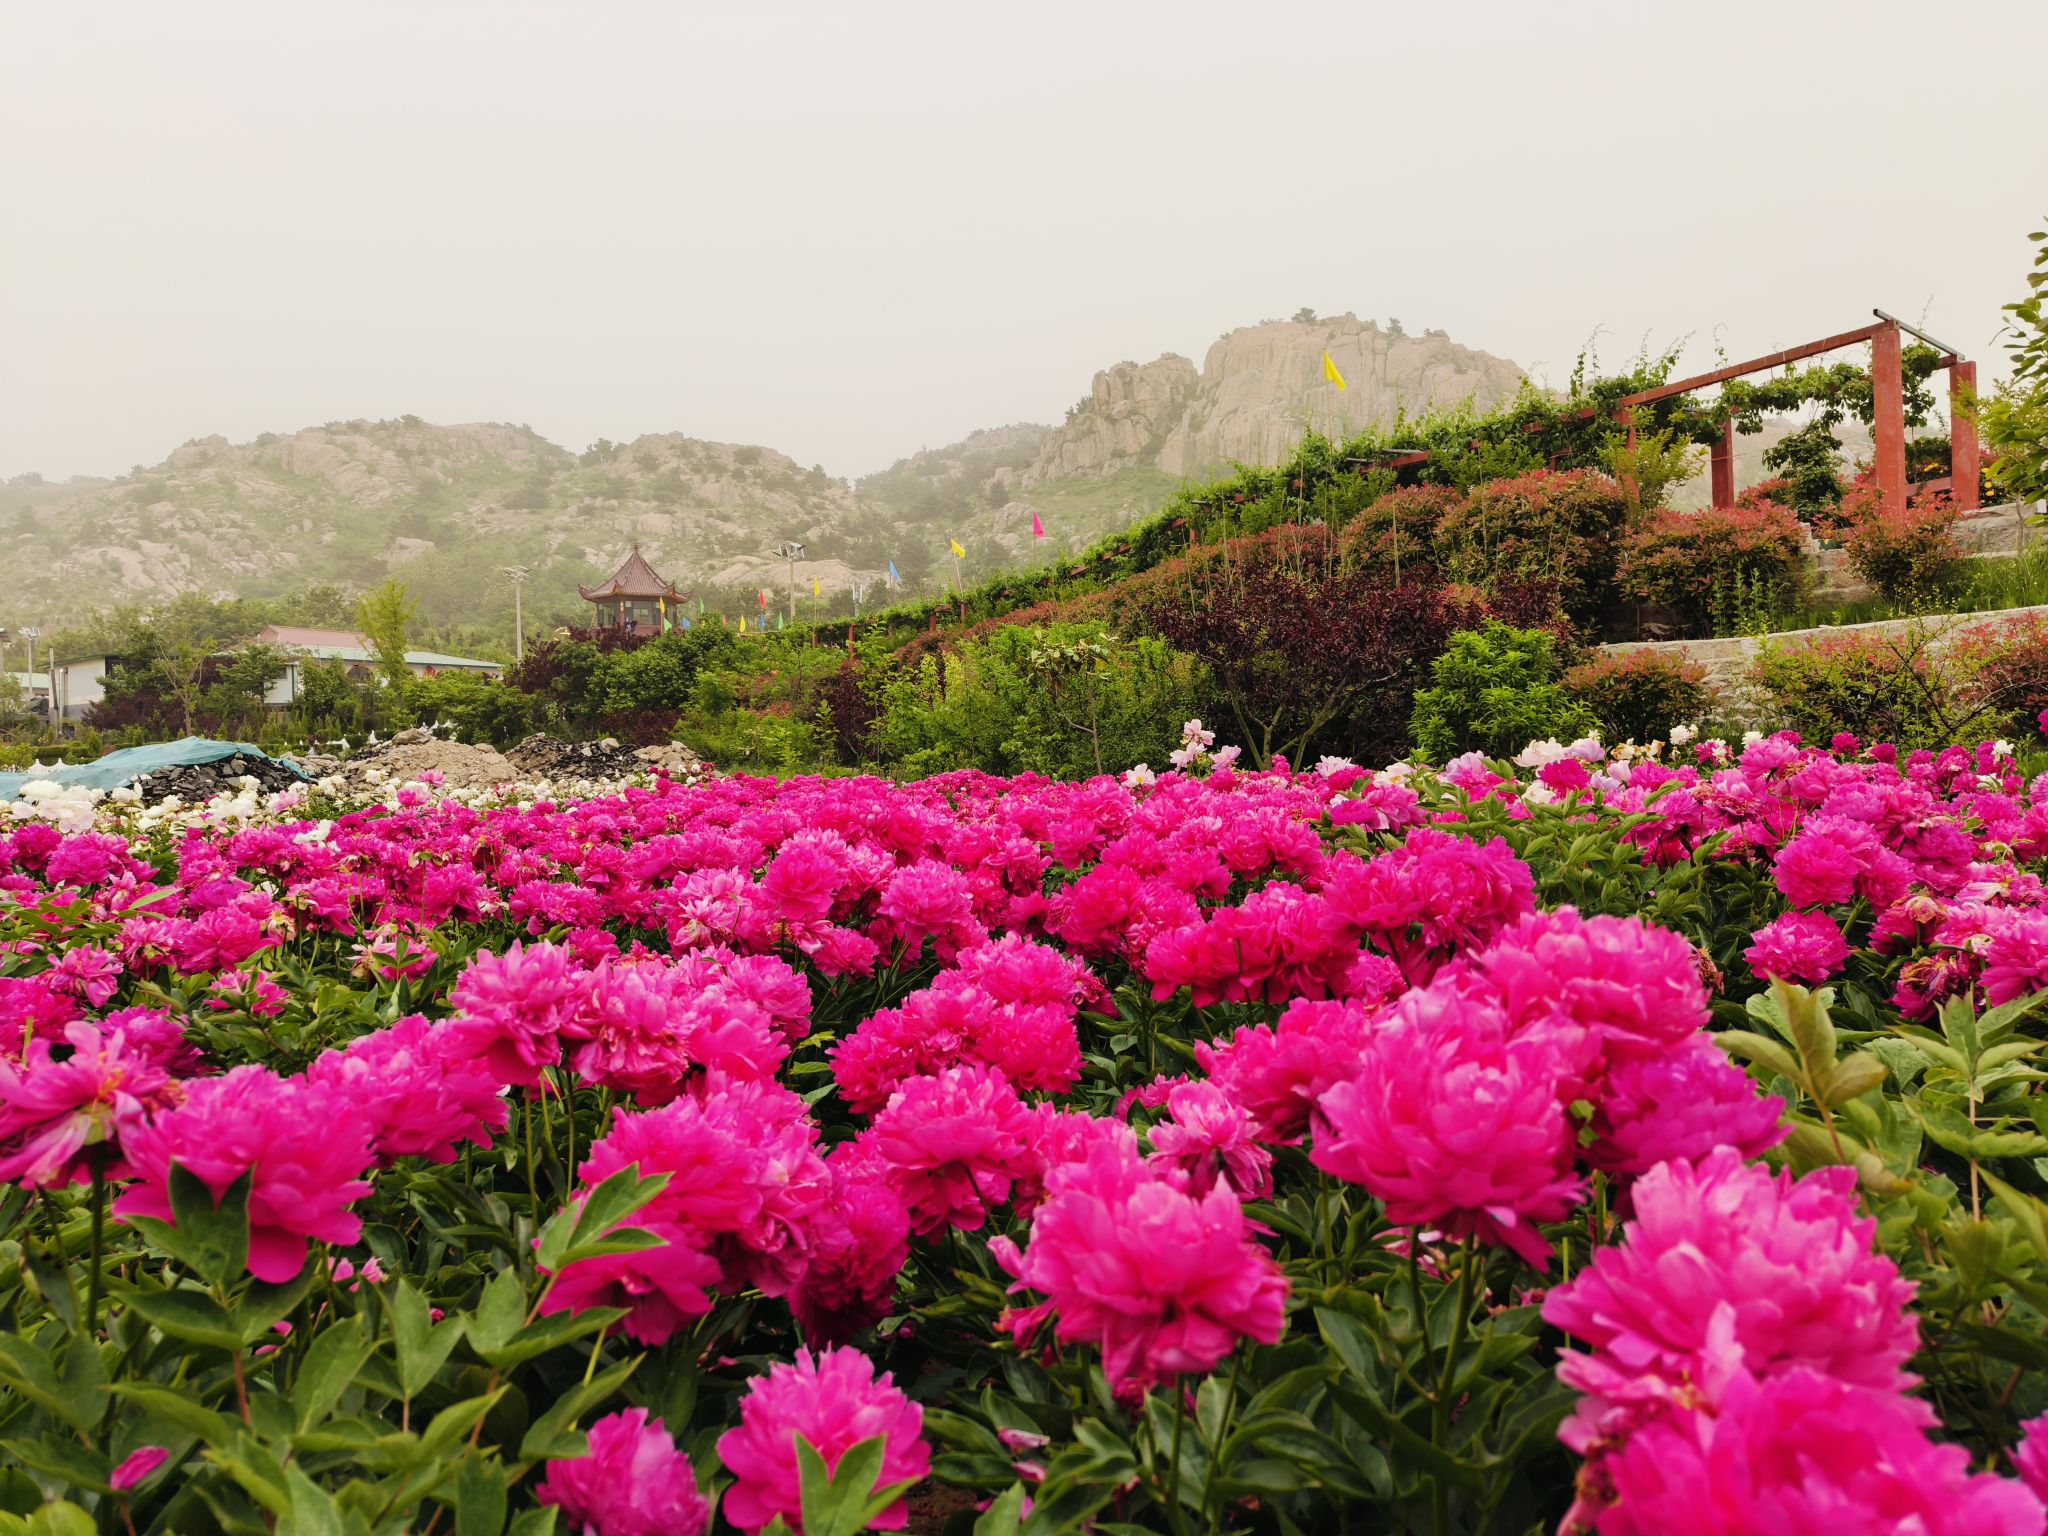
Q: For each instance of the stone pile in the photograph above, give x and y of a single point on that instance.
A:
(196, 783)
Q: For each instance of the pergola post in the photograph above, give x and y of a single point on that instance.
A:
(1721, 465)
(1888, 421)
(1965, 459)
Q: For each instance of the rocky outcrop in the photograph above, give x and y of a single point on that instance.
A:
(1129, 410)
(1260, 389)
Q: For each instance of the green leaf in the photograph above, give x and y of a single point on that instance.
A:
(179, 1409)
(331, 1363)
(262, 1304)
(312, 1510)
(549, 1332)
(615, 1199)
(61, 1517)
(213, 1239)
(1851, 1078)
(534, 1522)
(540, 1442)
(1765, 1052)
(1004, 1515)
(497, 1315)
(420, 1346)
(479, 1498)
(192, 1316)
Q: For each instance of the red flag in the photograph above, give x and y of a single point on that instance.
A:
(764, 599)
(1037, 528)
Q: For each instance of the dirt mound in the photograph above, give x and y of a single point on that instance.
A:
(411, 754)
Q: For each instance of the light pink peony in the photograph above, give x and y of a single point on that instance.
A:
(633, 1482)
(308, 1152)
(1161, 1281)
(1454, 1125)
(1806, 947)
(835, 1401)
(1724, 1256)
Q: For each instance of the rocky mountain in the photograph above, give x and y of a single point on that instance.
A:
(1259, 390)
(448, 507)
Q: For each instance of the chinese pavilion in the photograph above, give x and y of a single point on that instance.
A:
(636, 600)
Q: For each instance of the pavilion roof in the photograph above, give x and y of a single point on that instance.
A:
(636, 578)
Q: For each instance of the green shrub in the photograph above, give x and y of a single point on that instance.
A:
(1690, 561)
(1640, 695)
(1494, 690)
(1910, 556)
(1065, 700)
(1395, 536)
(478, 709)
(1876, 688)
(1562, 527)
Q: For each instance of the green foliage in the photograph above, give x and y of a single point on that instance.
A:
(1560, 528)
(1068, 701)
(1647, 471)
(2015, 419)
(1910, 555)
(1639, 695)
(1809, 461)
(479, 710)
(385, 616)
(1689, 562)
(1495, 690)
(1877, 688)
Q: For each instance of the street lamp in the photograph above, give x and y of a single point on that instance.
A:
(517, 574)
(792, 552)
(30, 635)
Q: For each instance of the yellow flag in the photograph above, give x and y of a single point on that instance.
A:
(1330, 372)
(814, 586)
(958, 552)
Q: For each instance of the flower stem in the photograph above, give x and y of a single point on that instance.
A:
(1180, 1420)
(99, 1238)
(1440, 1416)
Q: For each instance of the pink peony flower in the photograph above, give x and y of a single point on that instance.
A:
(1209, 1138)
(858, 1242)
(835, 1401)
(136, 1467)
(662, 1289)
(2030, 1457)
(1433, 896)
(307, 1151)
(953, 1144)
(412, 1093)
(632, 1482)
(1782, 1267)
(57, 1116)
(1656, 1109)
(1163, 1282)
(745, 1176)
(1278, 1071)
(510, 1008)
(1797, 1453)
(1634, 986)
(1454, 1125)
(1805, 947)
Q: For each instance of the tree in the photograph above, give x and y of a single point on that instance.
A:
(1305, 652)
(2015, 420)
(384, 614)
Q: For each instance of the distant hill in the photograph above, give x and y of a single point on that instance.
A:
(445, 507)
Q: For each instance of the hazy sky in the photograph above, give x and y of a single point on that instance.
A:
(851, 230)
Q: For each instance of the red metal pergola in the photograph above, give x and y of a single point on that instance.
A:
(1888, 421)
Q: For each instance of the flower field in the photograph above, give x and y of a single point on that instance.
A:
(1646, 1142)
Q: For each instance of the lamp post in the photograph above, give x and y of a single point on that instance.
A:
(792, 552)
(30, 635)
(516, 574)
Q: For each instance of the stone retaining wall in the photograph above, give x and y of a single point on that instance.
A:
(1728, 661)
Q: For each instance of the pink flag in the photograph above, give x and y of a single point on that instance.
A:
(1037, 528)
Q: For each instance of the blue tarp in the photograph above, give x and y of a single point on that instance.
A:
(131, 763)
